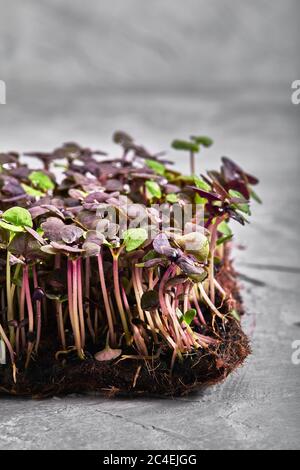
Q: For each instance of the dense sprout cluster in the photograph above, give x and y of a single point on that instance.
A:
(68, 273)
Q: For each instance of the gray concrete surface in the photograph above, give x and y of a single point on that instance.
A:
(258, 406)
(61, 87)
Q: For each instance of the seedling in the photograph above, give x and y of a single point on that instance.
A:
(89, 305)
(192, 146)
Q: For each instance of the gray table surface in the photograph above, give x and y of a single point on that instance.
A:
(258, 406)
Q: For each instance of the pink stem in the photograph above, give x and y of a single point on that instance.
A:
(30, 315)
(72, 298)
(198, 309)
(22, 311)
(137, 292)
(80, 303)
(87, 295)
(119, 299)
(29, 302)
(78, 338)
(106, 300)
(38, 311)
(125, 301)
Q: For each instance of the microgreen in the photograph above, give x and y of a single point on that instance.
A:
(172, 198)
(106, 280)
(156, 166)
(153, 190)
(18, 217)
(41, 181)
(134, 238)
(189, 316)
(202, 140)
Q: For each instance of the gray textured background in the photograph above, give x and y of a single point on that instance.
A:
(162, 69)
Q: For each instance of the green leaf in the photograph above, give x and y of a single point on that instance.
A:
(153, 189)
(245, 208)
(41, 181)
(150, 255)
(201, 184)
(185, 145)
(224, 229)
(10, 227)
(202, 140)
(234, 313)
(18, 216)
(172, 198)
(158, 167)
(224, 239)
(194, 243)
(134, 238)
(254, 195)
(200, 200)
(236, 194)
(31, 191)
(189, 316)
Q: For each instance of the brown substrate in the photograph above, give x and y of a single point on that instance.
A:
(47, 376)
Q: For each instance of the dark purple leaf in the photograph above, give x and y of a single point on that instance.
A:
(52, 228)
(190, 269)
(152, 263)
(150, 300)
(38, 294)
(239, 186)
(71, 233)
(97, 197)
(23, 244)
(162, 246)
(35, 235)
(66, 248)
(205, 194)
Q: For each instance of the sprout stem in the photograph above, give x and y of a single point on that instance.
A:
(192, 163)
(209, 302)
(87, 295)
(71, 298)
(10, 350)
(10, 308)
(22, 311)
(61, 326)
(138, 278)
(78, 338)
(30, 314)
(213, 242)
(198, 309)
(80, 302)
(15, 277)
(118, 296)
(137, 293)
(125, 301)
(38, 310)
(106, 300)
(59, 310)
(166, 308)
